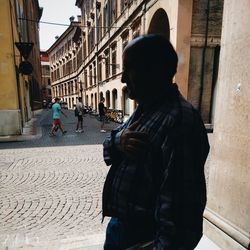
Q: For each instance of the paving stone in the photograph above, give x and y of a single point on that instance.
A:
(50, 188)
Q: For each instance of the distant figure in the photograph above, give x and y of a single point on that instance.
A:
(56, 110)
(102, 114)
(155, 191)
(79, 109)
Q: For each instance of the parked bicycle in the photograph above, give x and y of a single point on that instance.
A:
(114, 115)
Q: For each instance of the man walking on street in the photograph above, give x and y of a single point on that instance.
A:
(56, 110)
(79, 108)
(102, 112)
(155, 191)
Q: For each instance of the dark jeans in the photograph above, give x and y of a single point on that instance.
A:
(120, 236)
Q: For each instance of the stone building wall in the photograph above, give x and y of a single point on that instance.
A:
(204, 55)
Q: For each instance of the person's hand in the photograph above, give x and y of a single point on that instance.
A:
(134, 144)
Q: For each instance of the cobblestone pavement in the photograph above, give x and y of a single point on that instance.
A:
(50, 188)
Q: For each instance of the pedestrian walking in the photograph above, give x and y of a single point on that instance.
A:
(56, 113)
(79, 115)
(155, 191)
(102, 114)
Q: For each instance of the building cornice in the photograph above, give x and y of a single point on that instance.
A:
(71, 28)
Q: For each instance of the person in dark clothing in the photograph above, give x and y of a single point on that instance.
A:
(155, 190)
(102, 114)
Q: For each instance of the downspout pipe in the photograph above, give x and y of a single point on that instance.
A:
(204, 57)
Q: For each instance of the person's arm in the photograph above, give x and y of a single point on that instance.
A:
(164, 214)
(126, 141)
(182, 195)
(63, 113)
(110, 146)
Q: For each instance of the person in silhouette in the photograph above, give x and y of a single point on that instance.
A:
(155, 191)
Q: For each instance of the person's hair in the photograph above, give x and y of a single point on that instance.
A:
(102, 99)
(153, 52)
(57, 99)
(79, 99)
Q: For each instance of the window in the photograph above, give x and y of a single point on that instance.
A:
(94, 72)
(99, 73)
(79, 57)
(99, 28)
(125, 101)
(114, 61)
(123, 5)
(90, 75)
(86, 78)
(114, 10)
(91, 38)
(115, 99)
(136, 28)
(202, 98)
(65, 89)
(72, 89)
(124, 37)
(108, 99)
(84, 49)
(107, 64)
(76, 86)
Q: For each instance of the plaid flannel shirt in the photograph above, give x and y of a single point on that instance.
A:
(168, 185)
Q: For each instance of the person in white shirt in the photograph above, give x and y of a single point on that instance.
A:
(79, 107)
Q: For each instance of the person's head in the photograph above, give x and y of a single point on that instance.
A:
(57, 99)
(102, 99)
(149, 65)
(80, 99)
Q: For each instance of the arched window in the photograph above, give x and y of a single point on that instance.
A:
(125, 99)
(115, 99)
(160, 24)
(108, 99)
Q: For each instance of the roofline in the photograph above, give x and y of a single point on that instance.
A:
(72, 25)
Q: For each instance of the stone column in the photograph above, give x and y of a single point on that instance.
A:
(227, 217)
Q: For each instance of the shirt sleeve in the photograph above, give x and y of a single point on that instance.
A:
(111, 145)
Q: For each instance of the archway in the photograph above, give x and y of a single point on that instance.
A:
(160, 24)
(114, 99)
(108, 99)
(101, 95)
(125, 101)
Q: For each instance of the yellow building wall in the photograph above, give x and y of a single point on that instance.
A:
(8, 86)
(12, 91)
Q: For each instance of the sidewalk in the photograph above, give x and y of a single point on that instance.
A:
(30, 130)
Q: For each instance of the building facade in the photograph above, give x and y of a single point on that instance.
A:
(65, 57)
(18, 36)
(32, 13)
(193, 27)
(46, 82)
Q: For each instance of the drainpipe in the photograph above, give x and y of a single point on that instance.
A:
(204, 57)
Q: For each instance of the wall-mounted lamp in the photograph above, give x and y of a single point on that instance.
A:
(25, 67)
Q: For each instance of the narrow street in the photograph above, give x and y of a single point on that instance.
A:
(50, 188)
(50, 191)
